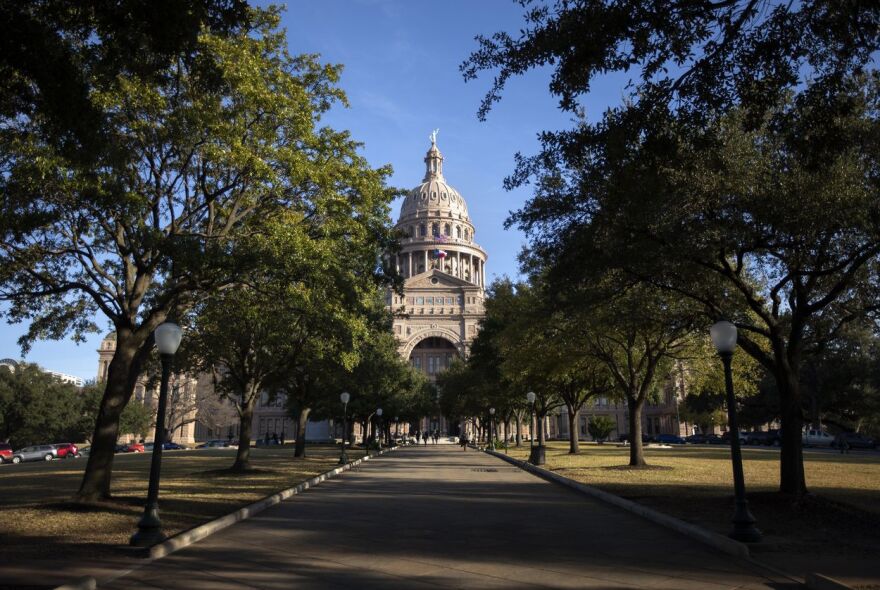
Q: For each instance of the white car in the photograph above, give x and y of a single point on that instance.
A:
(816, 438)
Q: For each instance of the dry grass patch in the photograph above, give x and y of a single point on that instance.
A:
(37, 518)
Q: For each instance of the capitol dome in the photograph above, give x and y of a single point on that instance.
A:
(434, 194)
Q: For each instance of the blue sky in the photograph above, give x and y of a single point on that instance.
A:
(401, 75)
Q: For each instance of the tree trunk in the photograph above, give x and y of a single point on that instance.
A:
(518, 429)
(636, 452)
(791, 455)
(506, 431)
(122, 375)
(573, 442)
(243, 455)
(301, 421)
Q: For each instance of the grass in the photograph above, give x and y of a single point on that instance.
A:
(38, 520)
(838, 520)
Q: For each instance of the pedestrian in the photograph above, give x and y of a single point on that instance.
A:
(266, 440)
(425, 438)
(275, 438)
(463, 441)
(436, 436)
(842, 443)
(282, 438)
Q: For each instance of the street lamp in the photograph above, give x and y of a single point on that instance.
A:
(723, 335)
(149, 531)
(379, 428)
(491, 428)
(537, 455)
(344, 397)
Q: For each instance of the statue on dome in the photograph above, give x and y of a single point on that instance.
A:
(433, 136)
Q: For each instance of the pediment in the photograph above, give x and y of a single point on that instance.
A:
(435, 279)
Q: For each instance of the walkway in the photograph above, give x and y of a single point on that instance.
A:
(438, 517)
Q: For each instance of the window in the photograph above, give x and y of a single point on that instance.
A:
(450, 300)
(420, 300)
(458, 231)
(416, 362)
(435, 229)
(423, 230)
(429, 301)
(461, 300)
(446, 230)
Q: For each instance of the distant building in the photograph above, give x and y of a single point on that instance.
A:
(197, 413)
(12, 364)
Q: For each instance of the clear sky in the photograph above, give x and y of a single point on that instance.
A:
(401, 75)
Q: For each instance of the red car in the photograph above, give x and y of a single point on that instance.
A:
(135, 448)
(67, 451)
(5, 452)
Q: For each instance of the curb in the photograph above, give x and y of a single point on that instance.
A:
(820, 582)
(715, 540)
(87, 583)
(188, 537)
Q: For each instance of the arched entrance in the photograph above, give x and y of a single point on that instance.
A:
(433, 355)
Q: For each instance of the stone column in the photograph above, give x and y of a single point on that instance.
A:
(426, 260)
(473, 278)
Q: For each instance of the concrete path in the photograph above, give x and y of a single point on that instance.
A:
(438, 517)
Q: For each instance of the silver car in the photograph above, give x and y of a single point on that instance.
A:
(35, 453)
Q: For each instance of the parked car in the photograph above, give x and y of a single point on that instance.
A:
(5, 452)
(66, 451)
(857, 440)
(725, 438)
(767, 438)
(121, 448)
(704, 439)
(214, 444)
(817, 438)
(135, 447)
(669, 439)
(172, 446)
(35, 453)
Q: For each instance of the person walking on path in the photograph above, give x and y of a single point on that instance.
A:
(842, 443)
(282, 438)
(267, 439)
(425, 438)
(463, 441)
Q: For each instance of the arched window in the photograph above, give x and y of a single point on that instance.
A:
(447, 230)
(435, 229)
(458, 231)
(423, 230)
(467, 234)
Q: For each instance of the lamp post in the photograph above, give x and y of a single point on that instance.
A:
(344, 397)
(491, 444)
(149, 531)
(723, 335)
(537, 456)
(379, 428)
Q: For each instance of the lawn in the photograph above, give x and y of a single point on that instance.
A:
(838, 521)
(37, 518)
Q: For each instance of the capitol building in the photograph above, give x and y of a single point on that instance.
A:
(444, 273)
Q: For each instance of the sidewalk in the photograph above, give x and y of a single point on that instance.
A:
(440, 517)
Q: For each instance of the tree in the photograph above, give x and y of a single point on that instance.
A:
(56, 57)
(600, 428)
(741, 136)
(216, 142)
(34, 406)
